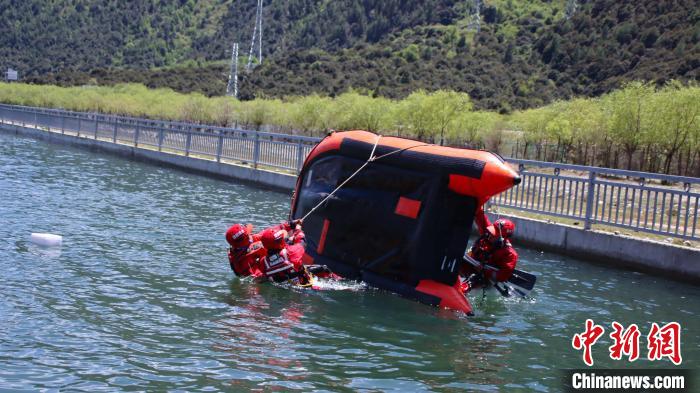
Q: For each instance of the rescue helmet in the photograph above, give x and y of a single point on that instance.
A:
(274, 240)
(504, 227)
(238, 235)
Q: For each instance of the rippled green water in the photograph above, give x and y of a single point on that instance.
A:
(140, 297)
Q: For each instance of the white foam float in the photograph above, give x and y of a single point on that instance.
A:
(46, 239)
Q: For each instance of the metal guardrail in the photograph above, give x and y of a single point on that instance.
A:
(278, 151)
(610, 197)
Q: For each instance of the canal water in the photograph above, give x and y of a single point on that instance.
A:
(140, 296)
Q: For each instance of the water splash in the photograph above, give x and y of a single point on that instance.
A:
(339, 285)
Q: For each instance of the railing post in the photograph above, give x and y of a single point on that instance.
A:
(256, 151)
(136, 135)
(97, 125)
(161, 136)
(220, 146)
(188, 143)
(63, 124)
(589, 201)
(114, 134)
(36, 120)
(300, 156)
(79, 125)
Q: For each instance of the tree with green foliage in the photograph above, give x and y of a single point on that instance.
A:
(676, 119)
(533, 124)
(357, 111)
(310, 113)
(471, 127)
(416, 117)
(446, 106)
(630, 116)
(656, 129)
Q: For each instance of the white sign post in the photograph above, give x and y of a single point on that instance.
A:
(11, 75)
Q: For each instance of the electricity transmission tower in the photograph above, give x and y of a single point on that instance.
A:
(475, 23)
(257, 32)
(232, 87)
(571, 7)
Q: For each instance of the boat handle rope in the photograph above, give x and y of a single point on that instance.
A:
(371, 159)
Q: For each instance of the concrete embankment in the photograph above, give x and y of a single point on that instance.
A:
(677, 262)
(222, 170)
(681, 263)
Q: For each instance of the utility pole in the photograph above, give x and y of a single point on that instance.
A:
(232, 87)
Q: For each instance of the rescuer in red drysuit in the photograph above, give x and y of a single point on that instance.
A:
(246, 253)
(275, 253)
(284, 253)
(493, 250)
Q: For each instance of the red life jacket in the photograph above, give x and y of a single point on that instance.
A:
(503, 258)
(247, 261)
(277, 266)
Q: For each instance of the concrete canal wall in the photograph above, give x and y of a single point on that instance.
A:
(222, 170)
(677, 262)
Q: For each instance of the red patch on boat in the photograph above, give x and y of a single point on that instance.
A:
(324, 233)
(408, 207)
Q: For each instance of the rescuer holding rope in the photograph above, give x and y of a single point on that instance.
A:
(274, 254)
(285, 250)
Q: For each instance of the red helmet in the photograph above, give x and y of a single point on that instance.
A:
(504, 227)
(274, 240)
(238, 235)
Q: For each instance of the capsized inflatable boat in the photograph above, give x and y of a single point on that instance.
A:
(402, 223)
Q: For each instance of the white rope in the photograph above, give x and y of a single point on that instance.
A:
(370, 159)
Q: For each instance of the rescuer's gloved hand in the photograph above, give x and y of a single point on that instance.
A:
(304, 277)
(476, 280)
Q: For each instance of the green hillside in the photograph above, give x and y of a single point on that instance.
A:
(521, 53)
